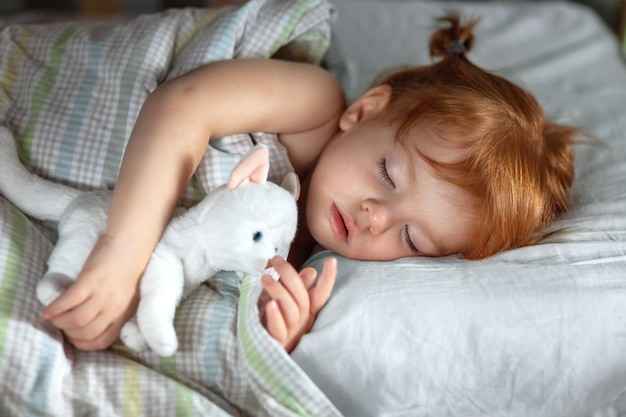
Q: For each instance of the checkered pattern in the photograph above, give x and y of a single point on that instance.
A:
(71, 93)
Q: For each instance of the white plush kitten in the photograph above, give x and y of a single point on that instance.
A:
(238, 227)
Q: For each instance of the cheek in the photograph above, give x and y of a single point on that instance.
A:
(343, 151)
(379, 251)
(314, 208)
(318, 223)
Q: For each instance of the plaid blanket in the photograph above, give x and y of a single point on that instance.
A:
(71, 93)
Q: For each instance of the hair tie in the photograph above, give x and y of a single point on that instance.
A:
(456, 48)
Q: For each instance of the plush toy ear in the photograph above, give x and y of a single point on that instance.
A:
(291, 183)
(253, 167)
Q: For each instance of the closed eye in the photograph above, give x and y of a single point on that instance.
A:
(384, 175)
(407, 240)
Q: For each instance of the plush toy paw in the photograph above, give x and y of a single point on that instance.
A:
(131, 336)
(51, 286)
(161, 339)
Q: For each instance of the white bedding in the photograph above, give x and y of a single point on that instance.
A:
(532, 332)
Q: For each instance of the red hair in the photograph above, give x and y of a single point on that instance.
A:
(517, 165)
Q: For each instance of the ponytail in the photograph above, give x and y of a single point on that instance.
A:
(454, 40)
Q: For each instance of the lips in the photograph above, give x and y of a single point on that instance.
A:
(338, 224)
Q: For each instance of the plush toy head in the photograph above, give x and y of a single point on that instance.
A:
(255, 219)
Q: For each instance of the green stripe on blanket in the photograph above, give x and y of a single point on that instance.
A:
(132, 389)
(203, 19)
(12, 69)
(45, 85)
(184, 398)
(297, 15)
(11, 273)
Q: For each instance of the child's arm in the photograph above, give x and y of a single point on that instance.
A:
(166, 145)
(295, 302)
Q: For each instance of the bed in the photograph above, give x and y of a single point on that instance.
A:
(531, 332)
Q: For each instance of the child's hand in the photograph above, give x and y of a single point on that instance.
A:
(295, 302)
(92, 311)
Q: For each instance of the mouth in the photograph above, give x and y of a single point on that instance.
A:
(339, 224)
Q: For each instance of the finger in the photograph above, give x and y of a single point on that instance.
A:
(308, 276)
(91, 331)
(77, 294)
(92, 319)
(289, 308)
(321, 293)
(276, 325)
(103, 341)
(80, 316)
(78, 321)
(291, 280)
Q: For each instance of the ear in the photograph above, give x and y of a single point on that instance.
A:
(254, 167)
(369, 104)
(291, 183)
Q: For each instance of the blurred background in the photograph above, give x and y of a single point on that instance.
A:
(613, 12)
(46, 10)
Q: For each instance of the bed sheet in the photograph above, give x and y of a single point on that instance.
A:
(537, 331)
(71, 92)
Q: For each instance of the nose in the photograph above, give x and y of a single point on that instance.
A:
(379, 215)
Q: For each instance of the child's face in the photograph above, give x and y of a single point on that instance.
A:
(371, 198)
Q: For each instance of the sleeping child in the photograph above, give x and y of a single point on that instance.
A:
(431, 161)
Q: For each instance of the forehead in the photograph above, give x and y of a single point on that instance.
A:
(442, 146)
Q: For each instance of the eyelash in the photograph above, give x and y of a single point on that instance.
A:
(407, 240)
(382, 171)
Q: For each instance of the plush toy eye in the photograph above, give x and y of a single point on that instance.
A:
(257, 236)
